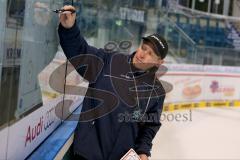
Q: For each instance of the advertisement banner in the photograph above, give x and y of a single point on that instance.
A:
(26, 134)
(195, 83)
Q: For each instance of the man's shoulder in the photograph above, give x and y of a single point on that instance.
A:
(163, 86)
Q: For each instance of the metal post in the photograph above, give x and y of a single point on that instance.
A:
(216, 4)
(216, 8)
(226, 7)
(209, 5)
(188, 3)
(160, 3)
(193, 4)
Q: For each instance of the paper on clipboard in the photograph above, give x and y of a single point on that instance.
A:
(131, 155)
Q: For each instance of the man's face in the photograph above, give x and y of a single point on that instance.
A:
(145, 57)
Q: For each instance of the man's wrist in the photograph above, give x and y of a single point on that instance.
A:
(143, 156)
(140, 152)
(61, 27)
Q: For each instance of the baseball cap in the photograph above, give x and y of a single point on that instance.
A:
(159, 43)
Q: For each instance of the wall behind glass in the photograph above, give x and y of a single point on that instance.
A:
(3, 130)
(28, 45)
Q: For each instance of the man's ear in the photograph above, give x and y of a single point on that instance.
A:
(160, 62)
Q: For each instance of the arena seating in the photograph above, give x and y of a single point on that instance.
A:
(208, 31)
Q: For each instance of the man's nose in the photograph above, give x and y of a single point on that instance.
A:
(141, 54)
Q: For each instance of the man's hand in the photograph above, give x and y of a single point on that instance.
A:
(143, 156)
(67, 19)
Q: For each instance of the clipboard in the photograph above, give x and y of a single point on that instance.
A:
(131, 155)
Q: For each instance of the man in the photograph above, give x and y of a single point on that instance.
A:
(122, 106)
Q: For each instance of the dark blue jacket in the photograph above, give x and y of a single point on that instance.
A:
(112, 121)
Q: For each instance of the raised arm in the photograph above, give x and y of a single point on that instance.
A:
(76, 49)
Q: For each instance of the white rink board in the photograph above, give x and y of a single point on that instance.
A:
(3, 143)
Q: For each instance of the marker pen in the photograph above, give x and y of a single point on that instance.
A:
(63, 10)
